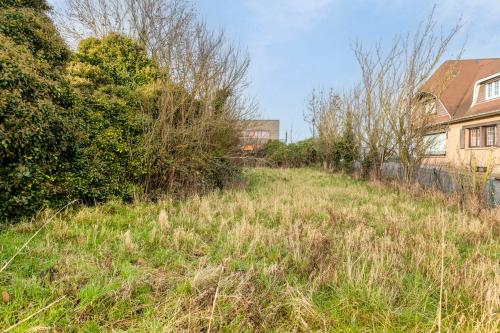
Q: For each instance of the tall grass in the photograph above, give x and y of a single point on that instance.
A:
(296, 250)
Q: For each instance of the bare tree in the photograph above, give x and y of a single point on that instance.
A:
(331, 115)
(324, 114)
(414, 109)
(390, 105)
(312, 112)
(201, 87)
(154, 23)
(374, 95)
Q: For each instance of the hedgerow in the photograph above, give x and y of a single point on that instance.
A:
(93, 124)
(37, 131)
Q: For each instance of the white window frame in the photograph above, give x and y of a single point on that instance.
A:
(476, 143)
(493, 90)
(491, 136)
(435, 144)
(431, 108)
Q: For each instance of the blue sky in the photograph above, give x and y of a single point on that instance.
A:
(298, 45)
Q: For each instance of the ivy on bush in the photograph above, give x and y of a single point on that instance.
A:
(37, 132)
(294, 155)
(86, 125)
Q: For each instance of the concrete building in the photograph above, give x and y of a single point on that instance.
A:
(256, 133)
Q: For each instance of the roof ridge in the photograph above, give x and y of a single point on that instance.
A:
(471, 60)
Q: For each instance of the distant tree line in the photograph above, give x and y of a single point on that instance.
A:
(147, 104)
(387, 115)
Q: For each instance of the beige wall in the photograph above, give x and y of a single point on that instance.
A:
(271, 126)
(459, 157)
(256, 133)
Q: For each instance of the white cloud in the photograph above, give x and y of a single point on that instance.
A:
(478, 9)
(480, 20)
(481, 31)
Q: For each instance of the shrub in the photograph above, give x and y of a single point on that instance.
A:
(109, 75)
(190, 157)
(276, 152)
(37, 132)
(141, 130)
(294, 155)
(340, 152)
(28, 25)
(94, 124)
(303, 153)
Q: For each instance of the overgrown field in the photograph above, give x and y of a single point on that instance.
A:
(296, 250)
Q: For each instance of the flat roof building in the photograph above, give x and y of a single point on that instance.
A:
(256, 133)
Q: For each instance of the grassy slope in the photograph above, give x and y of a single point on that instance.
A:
(297, 250)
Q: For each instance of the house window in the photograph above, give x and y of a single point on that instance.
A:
(493, 89)
(256, 134)
(431, 108)
(474, 137)
(435, 144)
(491, 136)
(262, 134)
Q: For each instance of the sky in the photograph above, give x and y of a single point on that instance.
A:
(296, 46)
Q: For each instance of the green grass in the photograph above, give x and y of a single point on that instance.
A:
(296, 250)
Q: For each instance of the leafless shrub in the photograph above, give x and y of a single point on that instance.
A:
(391, 111)
(409, 117)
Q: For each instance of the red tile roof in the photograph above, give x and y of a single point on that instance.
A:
(453, 83)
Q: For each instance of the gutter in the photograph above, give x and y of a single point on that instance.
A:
(473, 117)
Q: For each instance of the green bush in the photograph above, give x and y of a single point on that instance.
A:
(276, 152)
(132, 139)
(73, 137)
(340, 152)
(109, 75)
(303, 153)
(37, 132)
(294, 155)
(90, 125)
(35, 4)
(114, 60)
(30, 27)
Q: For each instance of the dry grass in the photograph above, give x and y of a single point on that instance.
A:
(297, 250)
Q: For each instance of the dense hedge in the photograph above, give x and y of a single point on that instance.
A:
(37, 131)
(86, 125)
(294, 155)
(107, 75)
(337, 154)
(35, 4)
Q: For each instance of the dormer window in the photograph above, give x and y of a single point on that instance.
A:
(431, 107)
(428, 104)
(493, 89)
